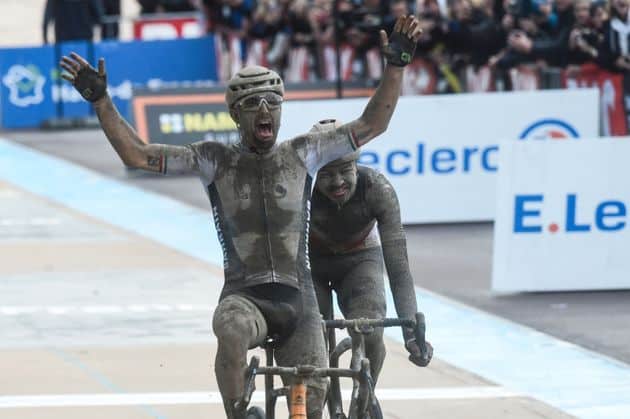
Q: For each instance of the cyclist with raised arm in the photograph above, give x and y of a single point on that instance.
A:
(259, 191)
(355, 225)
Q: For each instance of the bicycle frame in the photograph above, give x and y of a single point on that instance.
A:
(362, 395)
(359, 371)
(297, 390)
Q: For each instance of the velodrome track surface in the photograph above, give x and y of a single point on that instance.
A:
(108, 289)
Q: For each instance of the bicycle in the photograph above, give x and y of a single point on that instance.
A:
(296, 392)
(363, 400)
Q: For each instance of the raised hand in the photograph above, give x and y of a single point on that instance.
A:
(89, 82)
(401, 45)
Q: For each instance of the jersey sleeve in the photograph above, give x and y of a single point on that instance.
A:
(321, 148)
(386, 208)
(198, 158)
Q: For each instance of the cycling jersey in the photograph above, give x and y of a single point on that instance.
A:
(261, 202)
(372, 213)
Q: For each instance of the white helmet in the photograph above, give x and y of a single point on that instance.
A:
(252, 79)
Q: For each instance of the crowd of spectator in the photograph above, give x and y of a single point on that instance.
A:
(458, 34)
(495, 34)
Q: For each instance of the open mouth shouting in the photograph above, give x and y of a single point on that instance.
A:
(264, 129)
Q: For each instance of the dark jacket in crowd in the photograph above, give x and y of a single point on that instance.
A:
(616, 42)
(554, 49)
(479, 38)
(593, 39)
(111, 9)
(73, 19)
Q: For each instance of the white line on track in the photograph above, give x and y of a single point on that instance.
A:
(213, 397)
(103, 309)
(17, 222)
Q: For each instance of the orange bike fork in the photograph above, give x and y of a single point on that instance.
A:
(298, 401)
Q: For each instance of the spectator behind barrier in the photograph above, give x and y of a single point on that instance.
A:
(73, 20)
(467, 34)
(111, 9)
(585, 41)
(615, 54)
(229, 17)
(523, 28)
(599, 15)
(553, 50)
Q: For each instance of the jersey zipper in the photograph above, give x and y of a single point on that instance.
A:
(266, 217)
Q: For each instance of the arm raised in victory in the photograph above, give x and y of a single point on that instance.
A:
(398, 51)
(135, 153)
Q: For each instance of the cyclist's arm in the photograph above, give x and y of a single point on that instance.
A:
(330, 145)
(327, 146)
(318, 148)
(137, 154)
(387, 212)
(398, 50)
(380, 108)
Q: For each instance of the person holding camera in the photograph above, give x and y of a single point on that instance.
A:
(552, 49)
(616, 54)
(584, 41)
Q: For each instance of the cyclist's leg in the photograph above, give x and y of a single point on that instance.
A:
(238, 325)
(361, 293)
(305, 346)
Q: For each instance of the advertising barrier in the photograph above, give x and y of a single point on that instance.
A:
(26, 86)
(611, 87)
(441, 152)
(32, 92)
(183, 116)
(168, 26)
(562, 216)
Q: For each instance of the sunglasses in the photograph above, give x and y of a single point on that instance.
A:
(252, 103)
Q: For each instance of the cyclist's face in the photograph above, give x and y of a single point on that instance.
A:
(338, 181)
(259, 119)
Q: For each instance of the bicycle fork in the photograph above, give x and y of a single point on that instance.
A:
(361, 385)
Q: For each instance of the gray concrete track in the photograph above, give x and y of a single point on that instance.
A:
(99, 322)
(451, 260)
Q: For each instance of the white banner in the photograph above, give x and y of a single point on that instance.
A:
(441, 152)
(562, 216)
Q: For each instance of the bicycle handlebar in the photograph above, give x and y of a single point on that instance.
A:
(417, 324)
(306, 371)
(343, 323)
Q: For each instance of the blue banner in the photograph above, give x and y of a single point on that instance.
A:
(25, 86)
(30, 77)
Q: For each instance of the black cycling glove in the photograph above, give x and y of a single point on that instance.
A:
(400, 49)
(90, 84)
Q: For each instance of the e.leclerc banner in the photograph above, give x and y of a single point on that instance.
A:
(441, 153)
(562, 216)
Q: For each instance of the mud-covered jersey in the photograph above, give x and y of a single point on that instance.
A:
(261, 203)
(353, 226)
(370, 218)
